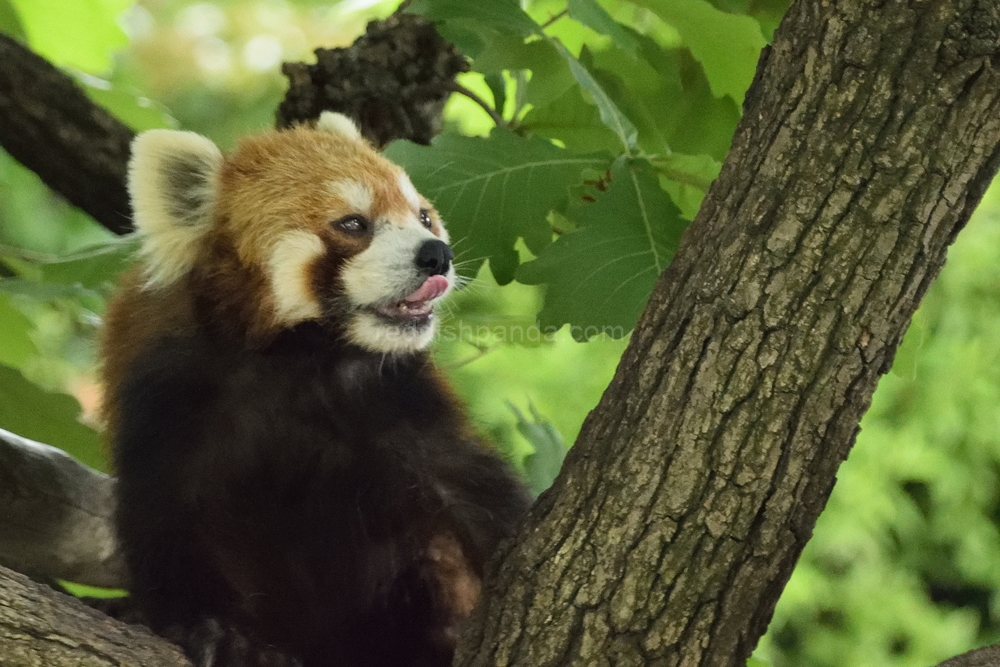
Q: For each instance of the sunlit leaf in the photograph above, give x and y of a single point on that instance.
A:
(95, 267)
(592, 15)
(10, 22)
(47, 417)
(138, 112)
(695, 170)
(43, 291)
(16, 346)
(600, 275)
(667, 96)
(550, 75)
(492, 191)
(471, 26)
(726, 45)
(609, 112)
(572, 121)
(76, 33)
(82, 590)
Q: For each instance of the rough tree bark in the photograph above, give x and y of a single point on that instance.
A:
(869, 135)
(56, 516)
(42, 628)
(49, 125)
(867, 139)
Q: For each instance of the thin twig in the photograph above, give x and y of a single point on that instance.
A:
(497, 118)
(555, 18)
(481, 351)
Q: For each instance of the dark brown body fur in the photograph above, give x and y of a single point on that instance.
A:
(307, 495)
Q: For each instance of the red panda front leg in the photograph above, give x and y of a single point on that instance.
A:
(210, 643)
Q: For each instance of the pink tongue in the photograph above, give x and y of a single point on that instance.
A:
(432, 288)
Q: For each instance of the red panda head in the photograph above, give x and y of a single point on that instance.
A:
(307, 224)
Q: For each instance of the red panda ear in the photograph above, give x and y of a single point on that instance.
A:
(172, 181)
(338, 123)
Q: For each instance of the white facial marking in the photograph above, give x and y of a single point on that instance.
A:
(410, 192)
(382, 275)
(355, 194)
(370, 332)
(386, 268)
(291, 258)
(338, 123)
(164, 162)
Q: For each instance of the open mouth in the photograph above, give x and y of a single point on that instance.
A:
(418, 307)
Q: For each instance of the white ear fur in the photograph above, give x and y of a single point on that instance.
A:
(338, 123)
(171, 180)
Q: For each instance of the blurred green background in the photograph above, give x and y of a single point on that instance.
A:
(904, 566)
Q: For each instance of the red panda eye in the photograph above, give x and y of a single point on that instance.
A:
(355, 225)
(425, 218)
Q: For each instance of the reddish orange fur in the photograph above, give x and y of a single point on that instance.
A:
(299, 164)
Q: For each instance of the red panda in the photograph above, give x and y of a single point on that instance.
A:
(297, 484)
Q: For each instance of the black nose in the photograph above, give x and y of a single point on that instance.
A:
(434, 257)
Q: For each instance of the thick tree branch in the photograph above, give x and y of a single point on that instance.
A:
(867, 139)
(42, 628)
(394, 80)
(50, 125)
(56, 516)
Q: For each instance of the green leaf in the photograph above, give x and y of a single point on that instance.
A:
(94, 267)
(695, 170)
(595, 17)
(498, 86)
(610, 114)
(726, 45)
(599, 276)
(44, 291)
(550, 76)
(82, 590)
(500, 15)
(16, 345)
(82, 34)
(10, 22)
(473, 25)
(572, 121)
(767, 12)
(669, 99)
(542, 467)
(51, 418)
(492, 191)
(138, 112)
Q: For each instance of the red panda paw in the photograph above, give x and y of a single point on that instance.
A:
(212, 644)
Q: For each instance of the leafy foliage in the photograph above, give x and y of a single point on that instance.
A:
(479, 187)
(601, 273)
(703, 29)
(81, 34)
(30, 411)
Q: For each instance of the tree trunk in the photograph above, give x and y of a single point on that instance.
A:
(867, 139)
